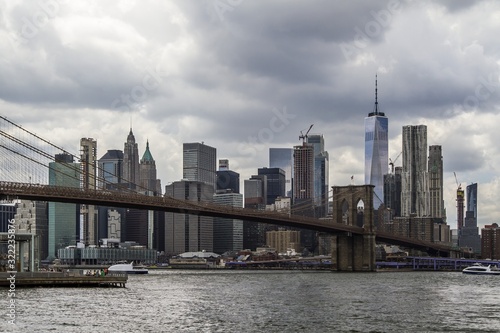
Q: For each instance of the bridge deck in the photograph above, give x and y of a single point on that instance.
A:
(12, 190)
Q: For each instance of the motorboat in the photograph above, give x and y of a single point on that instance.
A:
(128, 268)
(479, 269)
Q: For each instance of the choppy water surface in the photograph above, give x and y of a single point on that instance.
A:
(267, 301)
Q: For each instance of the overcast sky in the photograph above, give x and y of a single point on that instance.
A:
(246, 75)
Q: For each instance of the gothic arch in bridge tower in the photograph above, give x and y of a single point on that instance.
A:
(353, 205)
(346, 203)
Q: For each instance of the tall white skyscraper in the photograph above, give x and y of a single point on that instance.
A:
(414, 177)
(376, 150)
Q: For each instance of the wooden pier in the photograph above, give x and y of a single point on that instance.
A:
(58, 279)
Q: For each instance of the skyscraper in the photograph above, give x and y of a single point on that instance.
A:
(303, 166)
(199, 163)
(392, 192)
(468, 235)
(435, 169)
(228, 233)
(131, 161)
(303, 188)
(63, 217)
(275, 178)
(255, 198)
(110, 169)
(188, 232)
(227, 179)
(471, 192)
(111, 177)
(376, 150)
(283, 158)
(33, 216)
(88, 164)
(414, 177)
(321, 173)
(147, 174)
(149, 185)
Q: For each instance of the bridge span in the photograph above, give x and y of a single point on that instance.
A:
(130, 199)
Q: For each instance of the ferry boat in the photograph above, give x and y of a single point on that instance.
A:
(128, 268)
(479, 269)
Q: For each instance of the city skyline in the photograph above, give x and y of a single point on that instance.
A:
(255, 75)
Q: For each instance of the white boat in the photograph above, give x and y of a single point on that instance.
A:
(128, 268)
(479, 269)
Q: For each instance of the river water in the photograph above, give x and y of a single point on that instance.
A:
(266, 301)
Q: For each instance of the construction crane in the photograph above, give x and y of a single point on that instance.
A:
(459, 186)
(391, 162)
(304, 136)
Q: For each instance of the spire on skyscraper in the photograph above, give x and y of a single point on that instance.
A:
(147, 157)
(131, 137)
(376, 111)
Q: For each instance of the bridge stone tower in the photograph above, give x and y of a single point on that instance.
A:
(353, 252)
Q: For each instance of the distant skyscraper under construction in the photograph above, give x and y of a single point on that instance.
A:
(376, 150)
(303, 167)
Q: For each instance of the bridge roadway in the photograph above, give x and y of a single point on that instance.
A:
(129, 199)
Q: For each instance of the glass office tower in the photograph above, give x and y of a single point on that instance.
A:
(376, 150)
(283, 158)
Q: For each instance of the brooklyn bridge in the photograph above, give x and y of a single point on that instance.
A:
(25, 160)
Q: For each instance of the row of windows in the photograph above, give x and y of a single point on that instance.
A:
(370, 136)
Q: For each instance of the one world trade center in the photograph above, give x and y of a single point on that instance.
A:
(376, 150)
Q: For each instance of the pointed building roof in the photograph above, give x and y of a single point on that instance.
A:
(131, 137)
(147, 157)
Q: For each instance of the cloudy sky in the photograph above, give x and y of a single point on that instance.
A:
(246, 75)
